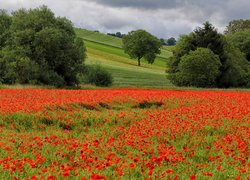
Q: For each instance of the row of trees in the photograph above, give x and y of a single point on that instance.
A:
(117, 34)
(168, 42)
(37, 47)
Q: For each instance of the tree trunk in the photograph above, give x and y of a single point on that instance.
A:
(139, 61)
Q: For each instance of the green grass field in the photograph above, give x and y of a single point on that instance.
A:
(107, 51)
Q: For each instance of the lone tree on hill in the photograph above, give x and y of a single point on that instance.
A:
(139, 44)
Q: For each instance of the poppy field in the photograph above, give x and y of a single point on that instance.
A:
(124, 134)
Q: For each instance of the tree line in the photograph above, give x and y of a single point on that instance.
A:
(117, 34)
(167, 42)
(38, 48)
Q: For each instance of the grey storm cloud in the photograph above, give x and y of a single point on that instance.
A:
(147, 4)
(163, 18)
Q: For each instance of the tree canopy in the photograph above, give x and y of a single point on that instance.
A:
(234, 70)
(41, 48)
(5, 22)
(171, 41)
(141, 44)
(241, 39)
(237, 25)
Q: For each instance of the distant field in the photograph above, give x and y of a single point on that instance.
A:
(107, 51)
(98, 37)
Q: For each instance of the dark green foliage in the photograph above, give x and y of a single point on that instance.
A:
(16, 68)
(163, 42)
(199, 68)
(184, 45)
(46, 121)
(66, 126)
(171, 41)
(41, 48)
(208, 37)
(234, 69)
(117, 34)
(95, 74)
(88, 107)
(139, 44)
(237, 69)
(104, 105)
(27, 70)
(147, 104)
(241, 39)
(5, 22)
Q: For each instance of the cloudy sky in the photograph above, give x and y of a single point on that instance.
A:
(163, 18)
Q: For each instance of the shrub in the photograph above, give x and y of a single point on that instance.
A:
(199, 68)
(95, 74)
(56, 80)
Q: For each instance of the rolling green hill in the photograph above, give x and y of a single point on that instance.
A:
(107, 51)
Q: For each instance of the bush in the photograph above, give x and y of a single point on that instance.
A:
(27, 70)
(199, 68)
(95, 74)
(50, 77)
(56, 80)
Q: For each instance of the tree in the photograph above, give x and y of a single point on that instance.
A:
(97, 75)
(236, 25)
(199, 68)
(208, 37)
(184, 46)
(233, 64)
(118, 34)
(163, 42)
(241, 39)
(171, 41)
(139, 44)
(39, 39)
(236, 69)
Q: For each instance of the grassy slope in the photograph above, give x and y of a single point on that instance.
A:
(106, 50)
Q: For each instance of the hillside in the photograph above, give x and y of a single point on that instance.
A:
(107, 51)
